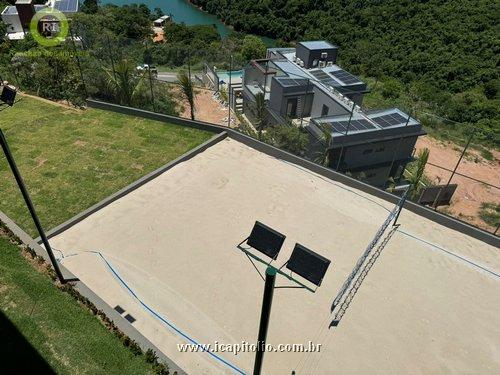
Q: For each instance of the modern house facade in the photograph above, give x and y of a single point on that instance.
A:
(304, 86)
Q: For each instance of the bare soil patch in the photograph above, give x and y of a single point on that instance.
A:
(470, 194)
(206, 107)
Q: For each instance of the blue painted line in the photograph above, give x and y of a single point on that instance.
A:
(450, 253)
(161, 318)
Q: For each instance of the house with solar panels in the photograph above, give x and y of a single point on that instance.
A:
(305, 87)
(18, 16)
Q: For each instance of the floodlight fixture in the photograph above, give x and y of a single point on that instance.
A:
(266, 240)
(304, 262)
(308, 264)
(8, 95)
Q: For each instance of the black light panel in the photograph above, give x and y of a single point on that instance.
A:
(308, 264)
(8, 95)
(266, 240)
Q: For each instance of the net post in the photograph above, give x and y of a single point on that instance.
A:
(29, 204)
(402, 203)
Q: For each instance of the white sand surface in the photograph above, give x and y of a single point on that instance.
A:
(424, 308)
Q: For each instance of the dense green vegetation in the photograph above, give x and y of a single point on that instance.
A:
(490, 213)
(442, 53)
(113, 42)
(72, 159)
(41, 327)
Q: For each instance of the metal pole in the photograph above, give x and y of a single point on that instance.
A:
(111, 57)
(189, 64)
(264, 318)
(496, 230)
(31, 209)
(304, 104)
(402, 205)
(229, 92)
(78, 63)
(151, 88)
(265, 79)
(346, 131)
(396, 150)
(454, 170)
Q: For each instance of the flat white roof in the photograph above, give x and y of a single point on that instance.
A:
(428, 305)
(318, 44)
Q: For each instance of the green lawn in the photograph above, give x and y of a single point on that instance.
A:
(72, 159)
(43, 329)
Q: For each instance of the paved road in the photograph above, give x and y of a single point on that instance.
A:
(167, 77)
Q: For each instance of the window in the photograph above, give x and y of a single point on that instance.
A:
(380, 149)
(324, 55)
(324, 111)
(368, 151)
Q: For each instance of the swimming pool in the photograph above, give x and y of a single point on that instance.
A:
(236, 76)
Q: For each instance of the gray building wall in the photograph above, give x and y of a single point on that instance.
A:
(308, 56)
(321, 98)
(378, 152)
(354, 92)
(373, 161)
(279, 96)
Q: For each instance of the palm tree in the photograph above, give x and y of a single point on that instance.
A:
(125, 84)
(416, 172)
(187, 90)
(260, 113)
(326, 141)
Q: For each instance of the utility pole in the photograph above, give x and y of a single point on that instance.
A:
(454, 169)
(78, 63)
(189, 63)
(346, 131)
(149, 60)
(396, 150)
(229, 92)
(304, 104)
(111, 57)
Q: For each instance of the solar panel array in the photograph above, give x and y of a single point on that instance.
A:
(290, 82)
(392, 119)
(324, 78)
(66, 6)
(345, 77)
(355, 125)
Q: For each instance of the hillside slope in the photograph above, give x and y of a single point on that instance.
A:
(445, 51)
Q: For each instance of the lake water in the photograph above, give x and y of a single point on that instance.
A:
(183, 11)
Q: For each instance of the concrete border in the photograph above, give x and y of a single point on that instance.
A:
(127, 189)
(440, 218)
(119, 321)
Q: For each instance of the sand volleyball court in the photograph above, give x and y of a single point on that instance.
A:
(166, 253)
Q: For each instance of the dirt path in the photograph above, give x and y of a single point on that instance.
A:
(469, 195)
